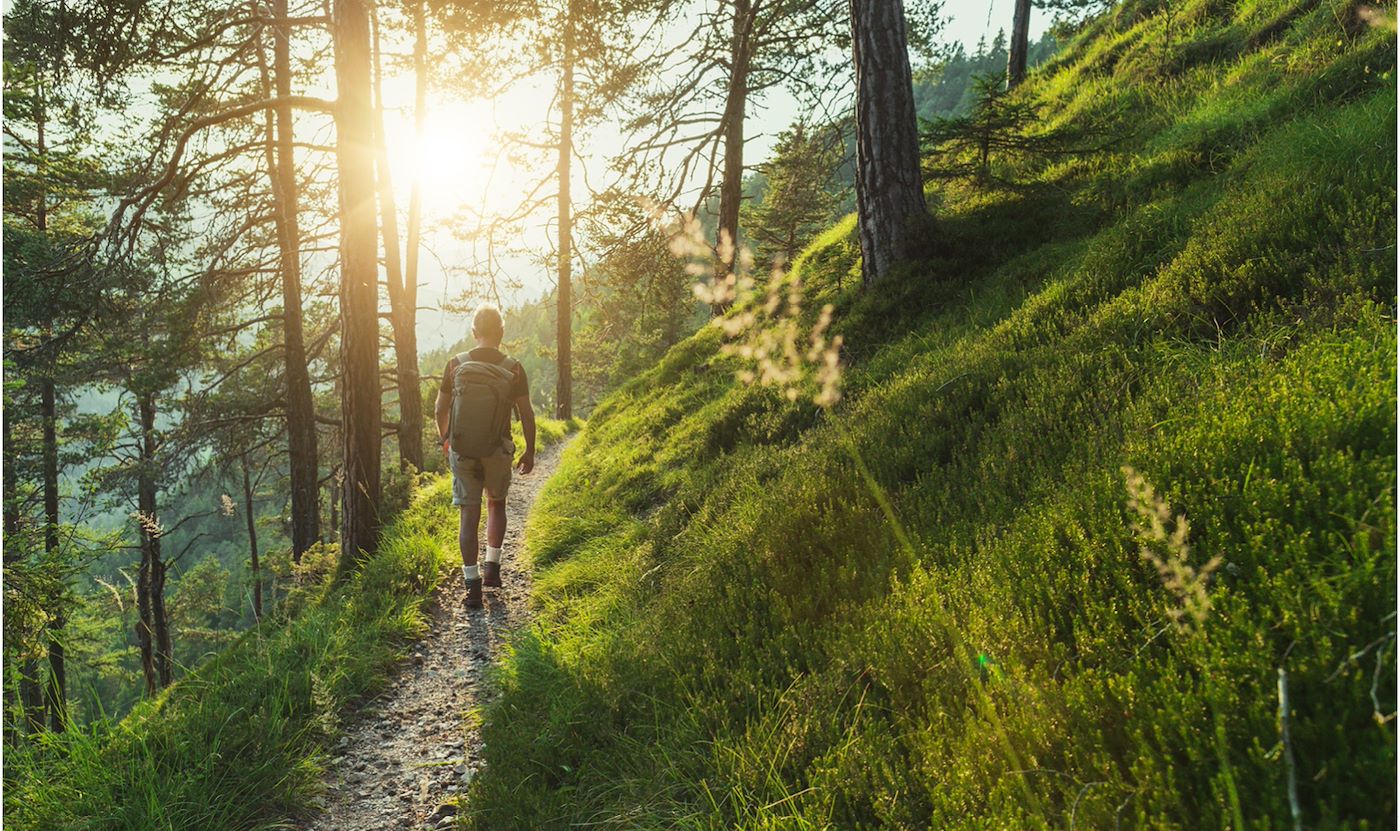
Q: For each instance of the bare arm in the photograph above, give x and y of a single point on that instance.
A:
(526, 411)
(443, 411)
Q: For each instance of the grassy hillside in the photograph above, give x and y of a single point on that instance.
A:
(928, 607)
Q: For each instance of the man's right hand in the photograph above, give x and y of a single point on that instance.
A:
(527, 462)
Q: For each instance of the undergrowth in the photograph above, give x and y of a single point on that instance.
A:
(241, 742)
(929, 606)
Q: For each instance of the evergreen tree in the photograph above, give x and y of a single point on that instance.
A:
(889, 189)
(1000, 124)
(800, 196)
(638, 298)
(359, 297)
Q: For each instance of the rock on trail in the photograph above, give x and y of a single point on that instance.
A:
(411, 747)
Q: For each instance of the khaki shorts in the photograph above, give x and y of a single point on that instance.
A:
(471, 476)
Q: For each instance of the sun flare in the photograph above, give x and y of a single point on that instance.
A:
(451, 159)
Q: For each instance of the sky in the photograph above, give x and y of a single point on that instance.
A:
(456, 165)
(461, 178)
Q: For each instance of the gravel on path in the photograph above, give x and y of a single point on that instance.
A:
(413, 747)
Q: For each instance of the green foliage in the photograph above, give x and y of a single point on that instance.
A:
(1001, 126)
(800, 196)
(638, 301)
(929, 606)
(947, 88)
(202, 620)
(239, 743)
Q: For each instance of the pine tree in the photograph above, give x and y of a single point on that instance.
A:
(889, 189)
(359, 296)
(800, 196)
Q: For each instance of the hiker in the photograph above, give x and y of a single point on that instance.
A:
(479, 390)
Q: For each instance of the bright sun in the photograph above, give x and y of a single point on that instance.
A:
(452, 160)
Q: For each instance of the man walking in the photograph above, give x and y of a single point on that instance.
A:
(479, 391)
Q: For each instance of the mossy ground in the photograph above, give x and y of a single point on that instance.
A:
(734, 633)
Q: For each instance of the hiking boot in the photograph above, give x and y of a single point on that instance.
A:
(491, 575)
(474, 594)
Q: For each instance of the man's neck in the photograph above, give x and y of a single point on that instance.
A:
(486, 344)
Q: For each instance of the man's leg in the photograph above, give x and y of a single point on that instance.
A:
(468, 520)
(466, 495)
(495, 522)
(496, 472)
(495, 537)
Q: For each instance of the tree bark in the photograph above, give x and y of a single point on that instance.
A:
(401, 315)
(889, 188)
(252, 541)
(1020, 43)
(56, 692)
(11, 481)
(48, 414)
(300, 409)
(414, 233)
(31, 696)
(359, 297)
(333, 498)
(56, 699)
(151, 634)
(564, 394)
(731, 190)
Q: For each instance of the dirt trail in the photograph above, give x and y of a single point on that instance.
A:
(410, 748)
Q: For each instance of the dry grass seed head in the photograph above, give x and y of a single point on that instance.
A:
(1165, 546)
(765, 333)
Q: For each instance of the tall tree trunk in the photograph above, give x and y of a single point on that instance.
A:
(1020, 43)
(359, 296)
(165, 655)
(564, 390)
(146, 581)
(56, 698)
(889, 189)
(333, 498)
(300, 409)
(731, 191)
(252, 541)
(401, 315)
(11, 482)
(154, 616)
(27, 689)
(414, 234)
(31, 696)
(56, 692)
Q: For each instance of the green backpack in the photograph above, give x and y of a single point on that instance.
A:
(481, 406)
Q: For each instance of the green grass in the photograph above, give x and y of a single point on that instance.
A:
(242, 741)
(733, 632)
(547, 431)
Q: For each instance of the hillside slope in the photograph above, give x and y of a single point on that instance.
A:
(928, 606)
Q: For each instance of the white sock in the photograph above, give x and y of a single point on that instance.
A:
(471, 573)
(493, 555)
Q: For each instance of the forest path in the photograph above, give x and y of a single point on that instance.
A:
(411, 747)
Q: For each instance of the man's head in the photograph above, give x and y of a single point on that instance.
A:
(487, 327)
